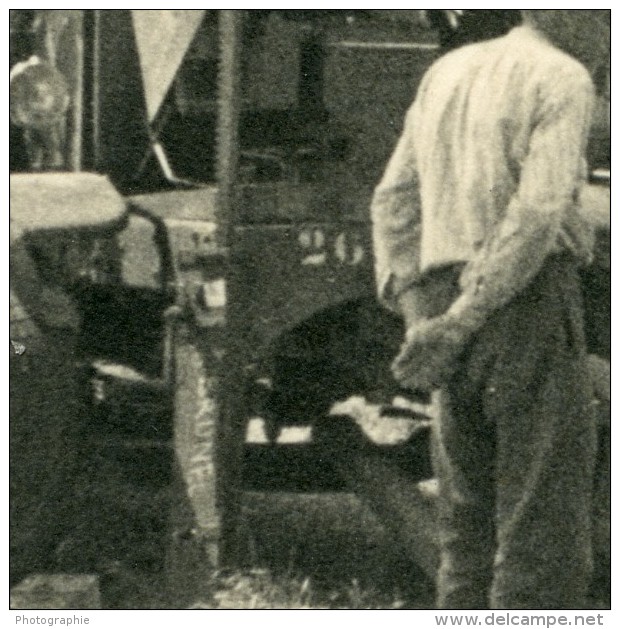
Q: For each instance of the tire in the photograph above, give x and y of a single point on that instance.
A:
(195, 522)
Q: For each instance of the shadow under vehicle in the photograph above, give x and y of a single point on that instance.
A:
(221, 266)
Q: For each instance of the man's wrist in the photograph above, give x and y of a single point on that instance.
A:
(409, 306)
(466, 315)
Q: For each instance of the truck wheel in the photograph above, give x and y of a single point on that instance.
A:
(194, 538)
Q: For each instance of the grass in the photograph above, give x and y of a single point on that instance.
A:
(259, 589)
(249, 589)
(302, 551)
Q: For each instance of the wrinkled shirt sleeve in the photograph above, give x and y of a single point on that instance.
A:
(551, 177)
(395, 213)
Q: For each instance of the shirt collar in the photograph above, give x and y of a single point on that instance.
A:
(529, 32)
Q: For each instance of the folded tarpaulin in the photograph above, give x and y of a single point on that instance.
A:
(57, 201)
(162, 37)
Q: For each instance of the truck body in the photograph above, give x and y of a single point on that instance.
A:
(234, 287)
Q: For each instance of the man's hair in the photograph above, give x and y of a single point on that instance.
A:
(582, 33)
(472, 25)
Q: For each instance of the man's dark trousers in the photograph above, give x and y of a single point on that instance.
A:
(514, 451)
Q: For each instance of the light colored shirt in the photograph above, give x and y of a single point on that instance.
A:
(487, 172)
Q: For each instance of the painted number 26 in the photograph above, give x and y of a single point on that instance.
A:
(346, 247)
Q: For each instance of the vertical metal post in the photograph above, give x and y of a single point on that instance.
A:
(229, 106)
(75, 150)
(207, 376)
(229, 446)
(91, 77)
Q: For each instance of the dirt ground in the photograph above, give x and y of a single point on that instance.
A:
(303, 550)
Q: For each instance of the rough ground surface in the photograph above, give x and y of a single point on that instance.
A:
(303, 551)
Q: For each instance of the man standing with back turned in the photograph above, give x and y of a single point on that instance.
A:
(478, 236)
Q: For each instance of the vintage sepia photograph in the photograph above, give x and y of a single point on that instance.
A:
(311, 309)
